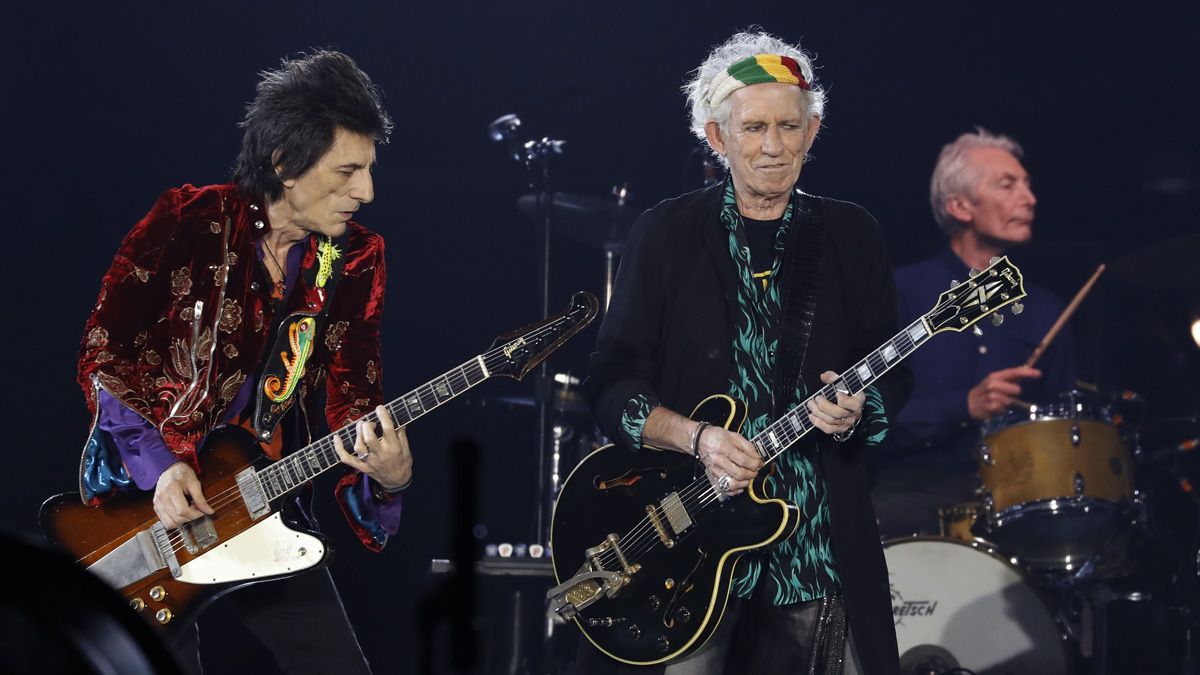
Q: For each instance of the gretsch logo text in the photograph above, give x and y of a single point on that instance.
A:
(902, 609)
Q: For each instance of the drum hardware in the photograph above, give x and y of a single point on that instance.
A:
(958, 521)
(962, 605)
(595, 222)
(984, 455)
(930, 660)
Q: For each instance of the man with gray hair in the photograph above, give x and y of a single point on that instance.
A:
(983, 201)
(754, 289)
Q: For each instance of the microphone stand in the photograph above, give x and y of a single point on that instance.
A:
(535, 156)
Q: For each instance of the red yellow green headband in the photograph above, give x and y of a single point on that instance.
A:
(755, 70)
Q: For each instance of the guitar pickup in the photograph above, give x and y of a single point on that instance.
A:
(676, 513)
(253, 494)
(198, 535)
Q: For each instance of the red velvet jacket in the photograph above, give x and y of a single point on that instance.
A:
(184, 314)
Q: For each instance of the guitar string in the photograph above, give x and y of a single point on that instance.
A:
(636, 538)
(491, 358)
(643, 537)
(638, 545)
(906, 342)
(325, 446)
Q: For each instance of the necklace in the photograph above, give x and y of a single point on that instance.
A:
(281, 285)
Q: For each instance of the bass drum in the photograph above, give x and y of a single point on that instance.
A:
(959, 605)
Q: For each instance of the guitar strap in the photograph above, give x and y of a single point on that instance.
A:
(295, 338)
(798, 297)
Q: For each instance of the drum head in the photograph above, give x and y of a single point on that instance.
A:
(958, 605)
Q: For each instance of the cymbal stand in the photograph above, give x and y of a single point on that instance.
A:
(611, 247)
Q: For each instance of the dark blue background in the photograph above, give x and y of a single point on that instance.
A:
(104, 108)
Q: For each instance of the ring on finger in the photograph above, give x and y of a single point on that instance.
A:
(723, 483)
(363, 455)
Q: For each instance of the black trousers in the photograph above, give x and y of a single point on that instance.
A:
(300, 620)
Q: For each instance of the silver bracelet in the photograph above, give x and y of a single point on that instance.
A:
(696, 438)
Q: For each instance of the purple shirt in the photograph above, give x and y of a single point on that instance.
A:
(146, 455)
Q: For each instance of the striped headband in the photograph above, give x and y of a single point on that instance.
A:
(755, 70)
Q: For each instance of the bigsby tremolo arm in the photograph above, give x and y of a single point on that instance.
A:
(592, 580)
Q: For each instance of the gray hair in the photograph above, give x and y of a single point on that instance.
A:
(736, 48)
(954, 176)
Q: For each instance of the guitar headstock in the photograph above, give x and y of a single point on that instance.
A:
(515, 354)
(984, 293)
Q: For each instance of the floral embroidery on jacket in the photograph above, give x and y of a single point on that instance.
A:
(231, 316)
(333, 335)
(181, 281)
(97, 337)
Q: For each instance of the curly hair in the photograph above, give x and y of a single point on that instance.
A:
(741, 45)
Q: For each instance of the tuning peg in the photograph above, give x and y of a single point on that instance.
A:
(974, 272)
(994, 260)
(953, 283)
(997, 319)
(1017, 308)
(977, 330)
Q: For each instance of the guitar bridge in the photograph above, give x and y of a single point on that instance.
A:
(592, 581)
(139, 557)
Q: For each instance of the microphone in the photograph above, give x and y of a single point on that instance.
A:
(504, 128)
(544, 147)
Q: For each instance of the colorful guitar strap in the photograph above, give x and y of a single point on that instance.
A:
(295, 338)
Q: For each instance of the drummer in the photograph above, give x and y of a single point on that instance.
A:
(983, 202)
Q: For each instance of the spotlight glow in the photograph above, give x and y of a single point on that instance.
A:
(1196, 331)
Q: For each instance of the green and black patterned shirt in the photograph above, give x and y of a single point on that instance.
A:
(801, 568)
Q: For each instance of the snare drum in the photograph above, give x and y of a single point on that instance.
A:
(959, 605)
(1055, 479)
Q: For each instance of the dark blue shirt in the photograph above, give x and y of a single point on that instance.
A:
(934, 428)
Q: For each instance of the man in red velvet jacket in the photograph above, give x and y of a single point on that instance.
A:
(236, 304)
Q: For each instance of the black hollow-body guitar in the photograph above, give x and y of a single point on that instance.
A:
(645, 548)
(169, 576)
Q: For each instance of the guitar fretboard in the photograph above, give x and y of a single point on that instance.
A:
(305, 464)
(786, 430)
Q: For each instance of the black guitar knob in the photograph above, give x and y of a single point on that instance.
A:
(635, 632)
(663, 644)
(653, 603)
(684, 615)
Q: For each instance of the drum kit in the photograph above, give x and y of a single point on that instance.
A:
(1081, 551)
(1067, 523)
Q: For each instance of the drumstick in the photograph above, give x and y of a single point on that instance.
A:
(1062, 318)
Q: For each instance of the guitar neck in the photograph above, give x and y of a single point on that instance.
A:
(785, 431)
(316, 458)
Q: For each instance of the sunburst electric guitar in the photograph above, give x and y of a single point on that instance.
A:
(170, 575)
(644, 547)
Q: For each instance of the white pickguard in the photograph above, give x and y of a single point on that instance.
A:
(267, 549)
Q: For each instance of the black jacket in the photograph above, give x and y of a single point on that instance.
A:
(667, 332)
